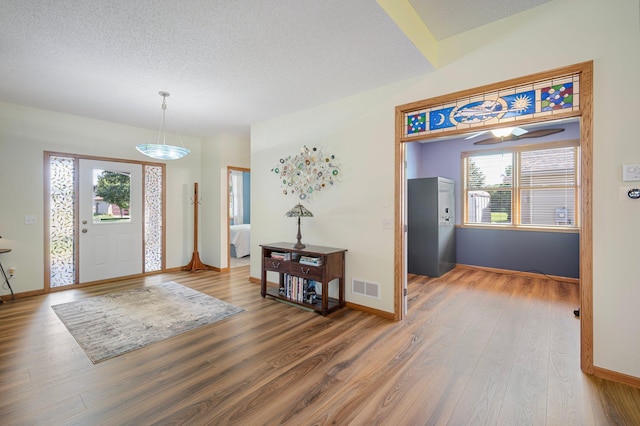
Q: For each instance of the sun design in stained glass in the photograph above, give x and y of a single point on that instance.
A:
(520, 102)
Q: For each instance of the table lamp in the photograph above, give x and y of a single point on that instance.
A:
(299, 211)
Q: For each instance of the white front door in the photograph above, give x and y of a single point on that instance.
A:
(110, 242)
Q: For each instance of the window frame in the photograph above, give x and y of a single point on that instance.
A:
(517, 188)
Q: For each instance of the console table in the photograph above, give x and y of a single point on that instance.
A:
(285, 260)
(4, 275)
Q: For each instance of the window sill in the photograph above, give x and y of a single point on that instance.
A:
(497, 227)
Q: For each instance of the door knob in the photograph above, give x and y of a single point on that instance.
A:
(84, 230)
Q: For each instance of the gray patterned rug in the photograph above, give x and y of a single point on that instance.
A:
(113, 324)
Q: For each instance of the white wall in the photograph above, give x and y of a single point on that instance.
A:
(218, 153)
(360, 131)
(25, 133)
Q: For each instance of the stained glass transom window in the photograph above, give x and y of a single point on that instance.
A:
(62, 200)
(152, 218)
(548, 97)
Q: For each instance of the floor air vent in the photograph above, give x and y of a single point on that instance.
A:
(365, 288)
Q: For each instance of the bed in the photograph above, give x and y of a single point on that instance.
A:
(240, 240)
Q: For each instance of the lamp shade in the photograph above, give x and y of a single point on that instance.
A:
(299, 211)
(161, 151)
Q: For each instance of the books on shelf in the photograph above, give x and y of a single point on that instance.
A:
(305, 260)
(309, 260)
(299, 289)
(280, 255)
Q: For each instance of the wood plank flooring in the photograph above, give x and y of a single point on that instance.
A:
(476, 348)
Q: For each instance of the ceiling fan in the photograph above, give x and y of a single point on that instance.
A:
(513, 134)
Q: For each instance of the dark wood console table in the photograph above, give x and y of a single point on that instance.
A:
(286, 261)
(4, 275)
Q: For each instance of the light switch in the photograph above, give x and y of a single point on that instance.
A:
(630, 172)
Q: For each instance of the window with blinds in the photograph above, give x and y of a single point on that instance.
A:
(534, 186)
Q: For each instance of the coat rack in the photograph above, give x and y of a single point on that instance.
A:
(196, 264)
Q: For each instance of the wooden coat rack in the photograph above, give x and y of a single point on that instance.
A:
(196, 264)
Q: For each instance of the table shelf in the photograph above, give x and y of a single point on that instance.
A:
(284, 259)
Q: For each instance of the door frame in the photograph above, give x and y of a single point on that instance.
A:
(76, 186)
(585, 114)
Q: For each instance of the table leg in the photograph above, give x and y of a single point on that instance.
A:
(6, 280)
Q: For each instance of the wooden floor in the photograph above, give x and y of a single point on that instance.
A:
(477, 348)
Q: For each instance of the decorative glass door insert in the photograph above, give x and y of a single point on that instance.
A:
(62, 211)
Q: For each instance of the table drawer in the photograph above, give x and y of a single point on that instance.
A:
(306, 271)
(277, 265)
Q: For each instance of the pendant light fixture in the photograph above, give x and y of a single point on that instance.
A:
(162, 151)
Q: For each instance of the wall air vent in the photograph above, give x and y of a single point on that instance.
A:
(365, 288)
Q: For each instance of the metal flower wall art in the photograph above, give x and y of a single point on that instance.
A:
(306, 173)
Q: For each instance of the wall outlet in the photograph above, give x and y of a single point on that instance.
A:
(30, 219)
(12, 271)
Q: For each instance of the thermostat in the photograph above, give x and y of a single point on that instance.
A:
(630, 172)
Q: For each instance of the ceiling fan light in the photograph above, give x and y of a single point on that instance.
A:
(502, 132)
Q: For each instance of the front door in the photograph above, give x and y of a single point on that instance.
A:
(110, 220)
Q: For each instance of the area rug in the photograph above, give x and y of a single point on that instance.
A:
(114, 324)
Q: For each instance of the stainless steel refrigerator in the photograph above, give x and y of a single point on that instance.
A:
(431, 243)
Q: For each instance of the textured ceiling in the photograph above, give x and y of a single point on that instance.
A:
(226, 63)
(446, 18)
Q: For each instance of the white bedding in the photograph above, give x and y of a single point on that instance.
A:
(239, 237)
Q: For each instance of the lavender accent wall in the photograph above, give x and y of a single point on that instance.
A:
(551, 253)
(413, 156)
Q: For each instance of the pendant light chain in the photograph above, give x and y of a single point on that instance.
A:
(164, 116)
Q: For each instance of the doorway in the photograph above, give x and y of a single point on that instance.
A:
(104, 218)
(516, 192)
(413, 124)
(238, 216)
